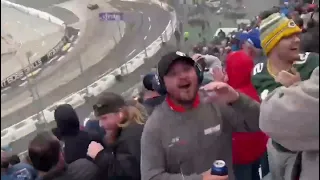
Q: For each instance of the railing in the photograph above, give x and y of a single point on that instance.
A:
(34, 12)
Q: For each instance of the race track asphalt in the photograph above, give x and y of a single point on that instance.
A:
(131, 41)
(48, 6)
(39, 37)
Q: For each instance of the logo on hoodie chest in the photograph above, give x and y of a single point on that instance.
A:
(177, 141)
(212, 130)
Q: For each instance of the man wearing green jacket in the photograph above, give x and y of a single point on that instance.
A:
(285, 66)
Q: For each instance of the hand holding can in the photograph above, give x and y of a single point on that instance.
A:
(207, 176)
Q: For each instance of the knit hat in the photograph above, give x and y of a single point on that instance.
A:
(108, 102)
(274, 28)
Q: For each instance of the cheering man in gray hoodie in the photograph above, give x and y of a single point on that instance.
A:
(185, 134)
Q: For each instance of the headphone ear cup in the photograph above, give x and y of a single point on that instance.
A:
(159, 86)
(199, 72)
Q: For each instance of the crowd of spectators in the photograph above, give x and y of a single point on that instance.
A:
(249, 98)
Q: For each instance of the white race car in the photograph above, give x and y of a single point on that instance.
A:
(213, 3)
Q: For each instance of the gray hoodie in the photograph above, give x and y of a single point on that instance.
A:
(290, 116)
(182, 145)
(211, 62)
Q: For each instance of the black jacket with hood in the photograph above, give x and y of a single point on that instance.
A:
(121, 160)
(68, 131)
(151, 103)
(81, 169)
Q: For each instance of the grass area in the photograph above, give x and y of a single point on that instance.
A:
(207, 34)
(194, 34)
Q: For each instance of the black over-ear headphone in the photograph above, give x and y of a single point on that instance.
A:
(159, 83)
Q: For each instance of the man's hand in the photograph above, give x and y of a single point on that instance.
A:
(207, 176)
(287, 79)
(93, 149)
(221, 91)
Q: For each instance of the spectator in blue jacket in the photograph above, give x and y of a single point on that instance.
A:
(17, 171)
(92, 126)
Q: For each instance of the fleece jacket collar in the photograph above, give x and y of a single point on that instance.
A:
(178, 108)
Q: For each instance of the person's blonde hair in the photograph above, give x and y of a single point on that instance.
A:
(134, 112)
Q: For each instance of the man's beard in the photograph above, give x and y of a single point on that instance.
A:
(184, 101)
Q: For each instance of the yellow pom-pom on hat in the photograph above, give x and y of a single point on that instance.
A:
(274, 28)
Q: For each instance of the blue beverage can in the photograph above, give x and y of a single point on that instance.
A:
(219, 168)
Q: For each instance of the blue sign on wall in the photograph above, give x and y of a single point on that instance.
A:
(111, 16)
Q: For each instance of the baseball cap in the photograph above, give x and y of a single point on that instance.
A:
(167, 60)
(148, 81)
(241, 37)
(254, 38)
(108, 102)
(197, 57)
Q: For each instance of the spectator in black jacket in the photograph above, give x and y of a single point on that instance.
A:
(308, 40)
(45, 155)
(177, 35)
(119, 157)
(68, 131)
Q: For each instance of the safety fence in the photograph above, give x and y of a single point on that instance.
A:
(16, 78)
(60, 49)
(34, 12)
